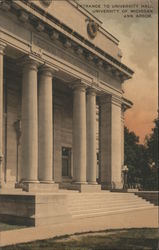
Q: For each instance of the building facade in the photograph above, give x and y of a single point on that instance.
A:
(59, 72)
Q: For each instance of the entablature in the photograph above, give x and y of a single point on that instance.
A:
(44, 22)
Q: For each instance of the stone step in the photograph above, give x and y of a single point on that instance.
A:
(148, 196)
(82, 195)
(105, 201)
(78, 201)
(87, 205)
(107, 205)
(101, 210)
(102, 197)
(152, 197)
(96, 214)
(92, 206)
(103, 194)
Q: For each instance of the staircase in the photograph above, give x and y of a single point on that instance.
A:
(85, 205)
(151, 196)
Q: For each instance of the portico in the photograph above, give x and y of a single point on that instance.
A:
(62, 122)
(37, 132)
(56, 79)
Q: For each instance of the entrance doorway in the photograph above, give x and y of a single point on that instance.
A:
(66, 162)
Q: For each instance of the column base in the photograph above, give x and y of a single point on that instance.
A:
(80, 182)
(89, 188)
(92, 183)
(40, 187)
(46, 182)
(112, 186)
(81, 187)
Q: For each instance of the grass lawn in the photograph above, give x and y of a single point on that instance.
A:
(133, 239)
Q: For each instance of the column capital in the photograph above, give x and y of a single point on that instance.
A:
(28, 63)
(91, 91)
(2, 47)
(79, 86)
(47, 71)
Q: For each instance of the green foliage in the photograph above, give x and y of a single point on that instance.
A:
(142, 160)
(151, 143)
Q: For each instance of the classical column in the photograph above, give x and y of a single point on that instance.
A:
(91, 137)
(2, 48)
(29, 122)
(110, 142)
(79, 134)
(45, 126)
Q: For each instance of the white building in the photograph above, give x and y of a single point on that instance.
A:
(57, 65)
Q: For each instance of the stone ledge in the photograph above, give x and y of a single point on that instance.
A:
(35, 210)
(40, 187)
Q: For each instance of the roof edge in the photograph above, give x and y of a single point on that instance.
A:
(126, 103)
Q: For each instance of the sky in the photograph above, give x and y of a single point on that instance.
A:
(138, 38)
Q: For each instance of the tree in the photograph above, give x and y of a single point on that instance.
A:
(135, 158)
(151, 143)
(140, 159)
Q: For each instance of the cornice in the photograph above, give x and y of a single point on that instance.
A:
(91, 91)
(67, 37)
(126, 104)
